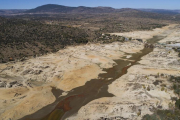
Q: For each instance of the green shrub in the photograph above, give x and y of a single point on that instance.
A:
(162, 89)
(177, 104)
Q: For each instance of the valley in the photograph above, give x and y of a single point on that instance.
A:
(61, 62)
(108, 79)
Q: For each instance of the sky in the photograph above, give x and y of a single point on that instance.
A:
(29, 4)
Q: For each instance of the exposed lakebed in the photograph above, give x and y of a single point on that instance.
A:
(68, 105)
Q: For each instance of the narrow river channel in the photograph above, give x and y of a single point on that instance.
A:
(69, 105)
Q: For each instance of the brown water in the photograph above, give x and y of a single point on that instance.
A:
(69, 105)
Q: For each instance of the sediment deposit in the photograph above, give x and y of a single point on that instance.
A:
(26, 86)
(142, 89)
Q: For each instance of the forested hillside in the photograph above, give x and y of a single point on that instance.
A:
(21, 38)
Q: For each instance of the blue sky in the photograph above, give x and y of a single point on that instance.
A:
(28, 4)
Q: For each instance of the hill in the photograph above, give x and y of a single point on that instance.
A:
(52, 8)
(124, 12)
(21, 38)
(47, 29)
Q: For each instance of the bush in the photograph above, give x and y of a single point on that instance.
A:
(148, 88)
(162, 89)
(177, 104)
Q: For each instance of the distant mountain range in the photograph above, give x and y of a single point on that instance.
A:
(161, 11)
(11, 11)
(53, 8)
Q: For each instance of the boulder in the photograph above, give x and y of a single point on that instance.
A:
(13, 83)
(29, 71)
(8, 85)
(2, 84)
(37, 72)
(17, 94)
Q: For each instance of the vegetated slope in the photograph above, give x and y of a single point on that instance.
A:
(106, 19)
(39, 35)
(20, 38)
(33, 34)
(124, 21)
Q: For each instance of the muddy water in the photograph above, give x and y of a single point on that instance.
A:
(69, 105)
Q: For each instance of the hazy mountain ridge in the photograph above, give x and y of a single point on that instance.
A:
(11, 11)
(52, 8)
(162, 11)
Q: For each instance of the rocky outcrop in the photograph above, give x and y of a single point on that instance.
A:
(149, 45)
(2, 84)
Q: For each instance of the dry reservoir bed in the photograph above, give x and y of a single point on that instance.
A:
(26, 87)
